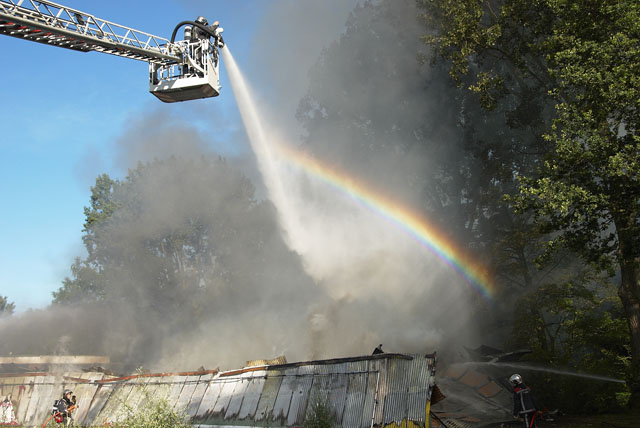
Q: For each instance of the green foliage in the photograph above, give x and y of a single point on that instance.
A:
(153, 413)
(319, 415)
(154, 230)
(371, 107)
(494, 46)
(6, 308)
(581, 328)
(590, 186)
(584, 57)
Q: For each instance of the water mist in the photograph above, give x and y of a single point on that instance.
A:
(365, 264)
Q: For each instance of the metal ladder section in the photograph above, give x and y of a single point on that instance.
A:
(53, 24)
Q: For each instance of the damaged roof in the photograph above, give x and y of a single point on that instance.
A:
(376, 390)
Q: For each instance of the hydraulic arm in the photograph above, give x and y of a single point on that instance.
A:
(57, 25)
(178, 70)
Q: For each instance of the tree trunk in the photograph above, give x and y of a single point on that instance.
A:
(629, 293)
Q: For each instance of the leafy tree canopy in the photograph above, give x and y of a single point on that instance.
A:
(176, 244)
(585, 56)
(6, 308)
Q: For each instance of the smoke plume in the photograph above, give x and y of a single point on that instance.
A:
(303, 270)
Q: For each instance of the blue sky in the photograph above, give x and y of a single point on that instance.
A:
(61, 112)
(64, 115)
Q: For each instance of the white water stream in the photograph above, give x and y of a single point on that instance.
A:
(521, 366)
(257, 137)
(364, 263)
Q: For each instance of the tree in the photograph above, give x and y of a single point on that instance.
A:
(572, 324)
(152, 412)
(175, 244)
(585, 56)
(405, 127)
(319, 414)
(6, 308)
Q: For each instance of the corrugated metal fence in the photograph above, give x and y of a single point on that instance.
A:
(386, 390)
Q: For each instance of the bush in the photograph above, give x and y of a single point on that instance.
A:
(154, 413)
(319, 415)
(581, 329)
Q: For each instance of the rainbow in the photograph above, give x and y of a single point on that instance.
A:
(412, 223)
(416, 226)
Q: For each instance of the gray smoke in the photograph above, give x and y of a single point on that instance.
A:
(349, 279)
(367, 115)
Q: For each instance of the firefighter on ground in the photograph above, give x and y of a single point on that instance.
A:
(524, 404)
(63, 408)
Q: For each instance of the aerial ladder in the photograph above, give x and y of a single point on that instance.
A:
(178, 70)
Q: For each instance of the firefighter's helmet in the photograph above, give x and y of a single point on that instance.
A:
(515, 379)
(202, 20)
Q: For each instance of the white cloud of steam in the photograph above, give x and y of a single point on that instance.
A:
(287, 42)
(385, 286)
(158, 137)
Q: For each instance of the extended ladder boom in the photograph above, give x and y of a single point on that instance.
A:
(50, 23)
(179, 70)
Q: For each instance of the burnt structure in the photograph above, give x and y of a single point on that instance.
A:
(384, 390)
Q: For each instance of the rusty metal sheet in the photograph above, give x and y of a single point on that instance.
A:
(339, 380)
(320, 386)
(7, 383)
(278, 396)
(23, 397)
(29, 417)
(98, 404)
(85, 393)
(146, 389)
(394, 400)
(176, 385)
(383, 367)
(111, 401)
(46, 397)
(190, 383)
(242, 382)
(6, 386)
(373, 376)
(226, 393)
(252, 395)
(114, 411)
(209, 399)
(300, 396)
(157, 388)
(283, 399)
(267, 400)
(129, 391)
(198, 394)
(419, 388)
(354, 400)
(140, 393)
(134, 397)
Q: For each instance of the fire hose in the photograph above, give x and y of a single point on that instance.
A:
(58, 416)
